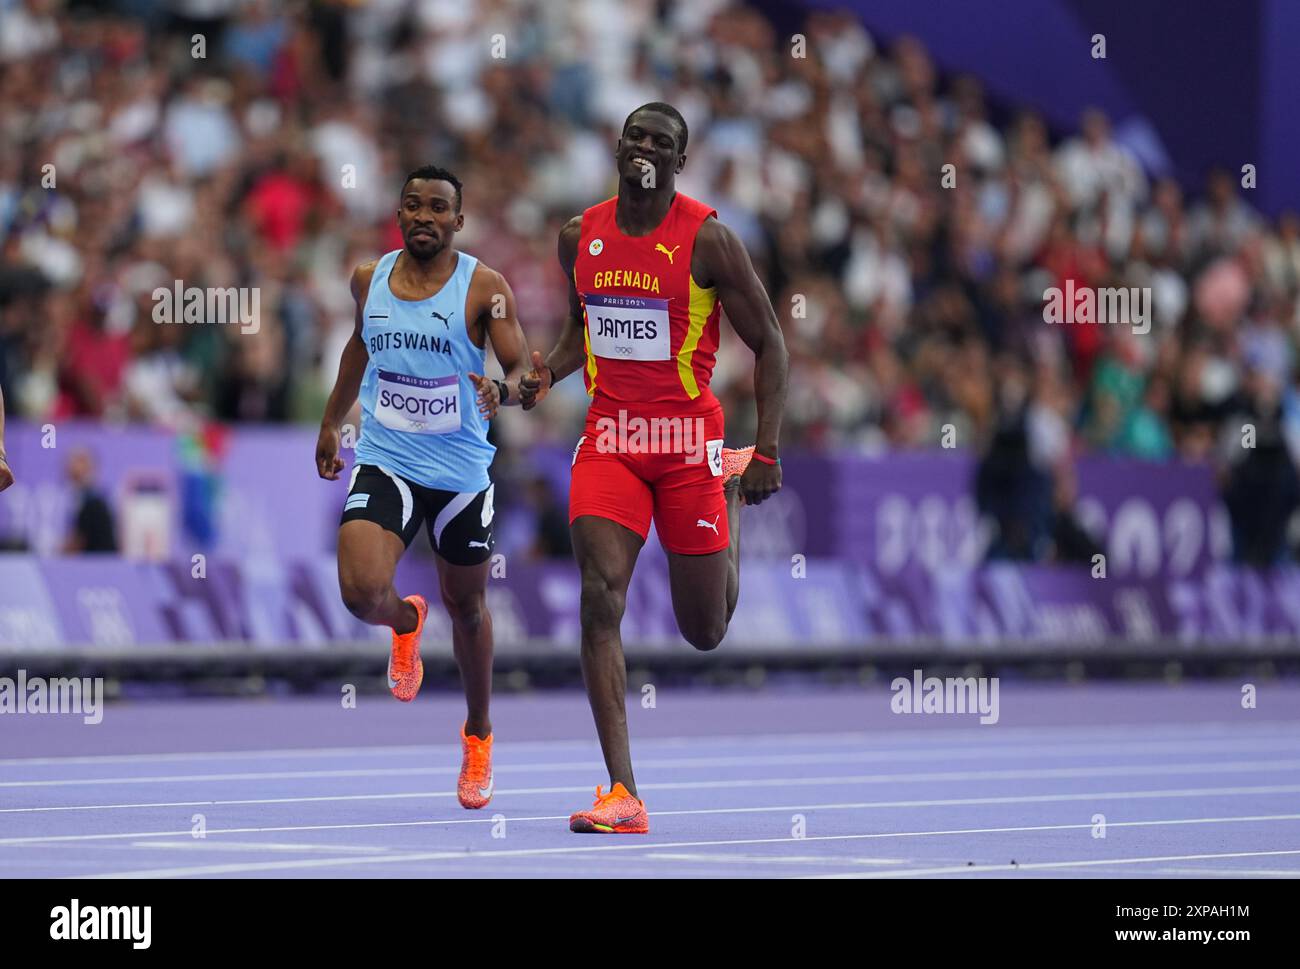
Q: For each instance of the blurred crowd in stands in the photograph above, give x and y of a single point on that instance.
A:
(912, 304)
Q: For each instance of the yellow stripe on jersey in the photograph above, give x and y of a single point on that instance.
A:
(586, 344)
(701, 308)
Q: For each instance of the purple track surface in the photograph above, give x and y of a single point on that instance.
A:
(1190, 784)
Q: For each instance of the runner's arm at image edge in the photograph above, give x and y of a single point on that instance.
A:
(347, 386)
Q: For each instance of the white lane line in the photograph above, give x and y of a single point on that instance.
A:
(855, 805)
(1234, 872)
(420, 856)
(203, 778)
(686, 785)
(778, 860)
(38, 839)
(1019, 799)
(710, 763)
(288, 753)
(972, 736)
(1083, 827)
(970, 775)
(223, 845)
(1043, 865)
(1016, 751)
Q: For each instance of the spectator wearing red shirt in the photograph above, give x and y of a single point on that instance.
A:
(90, 379)
(282, 200)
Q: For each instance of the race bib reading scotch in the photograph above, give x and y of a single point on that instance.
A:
(418, 405)
(628, 327)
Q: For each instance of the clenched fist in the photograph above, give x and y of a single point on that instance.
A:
(536, 384)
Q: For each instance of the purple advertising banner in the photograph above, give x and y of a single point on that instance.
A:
(254, 492)
(110, 605)
(229, 539)
(918, 508)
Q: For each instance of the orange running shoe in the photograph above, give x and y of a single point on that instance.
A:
(474, 789)
(405, 668)
(735, 461)
(617, 812)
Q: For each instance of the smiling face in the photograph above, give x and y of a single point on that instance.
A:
(651, 139)
(428, 216)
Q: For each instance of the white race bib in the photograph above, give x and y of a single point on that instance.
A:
(628, 327)
(713, 449)
(418, 405)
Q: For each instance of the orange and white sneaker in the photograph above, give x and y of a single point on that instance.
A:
(617, 812)
(735, 461)
(405, 668)
(474, 789)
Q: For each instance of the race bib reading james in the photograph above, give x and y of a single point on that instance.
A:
(628, 327)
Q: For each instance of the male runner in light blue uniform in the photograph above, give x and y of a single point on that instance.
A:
(424, 315)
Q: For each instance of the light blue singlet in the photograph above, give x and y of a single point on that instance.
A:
(419, 410)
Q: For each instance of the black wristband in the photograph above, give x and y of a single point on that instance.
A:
(503, 390)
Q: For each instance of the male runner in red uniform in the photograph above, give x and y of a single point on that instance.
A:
(649, 271)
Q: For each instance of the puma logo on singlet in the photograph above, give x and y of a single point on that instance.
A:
(660, 247)
(445, 319)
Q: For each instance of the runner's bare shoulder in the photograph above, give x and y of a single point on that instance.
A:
(361, 277)
(567, 246)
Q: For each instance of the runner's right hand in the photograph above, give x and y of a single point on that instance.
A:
(489, 397)
(328, 462)
(536, 384)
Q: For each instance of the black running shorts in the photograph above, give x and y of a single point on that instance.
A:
(459, 522)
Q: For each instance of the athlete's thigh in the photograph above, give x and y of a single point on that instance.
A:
(691, 519)
(460, 525)
(699, 589)
(380, 518)
(367, 556)
(690, 508)
(606, 552)
(607, 485)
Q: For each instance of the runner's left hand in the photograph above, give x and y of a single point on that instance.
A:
(759, 482)
(489, 398)
(536, 384)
